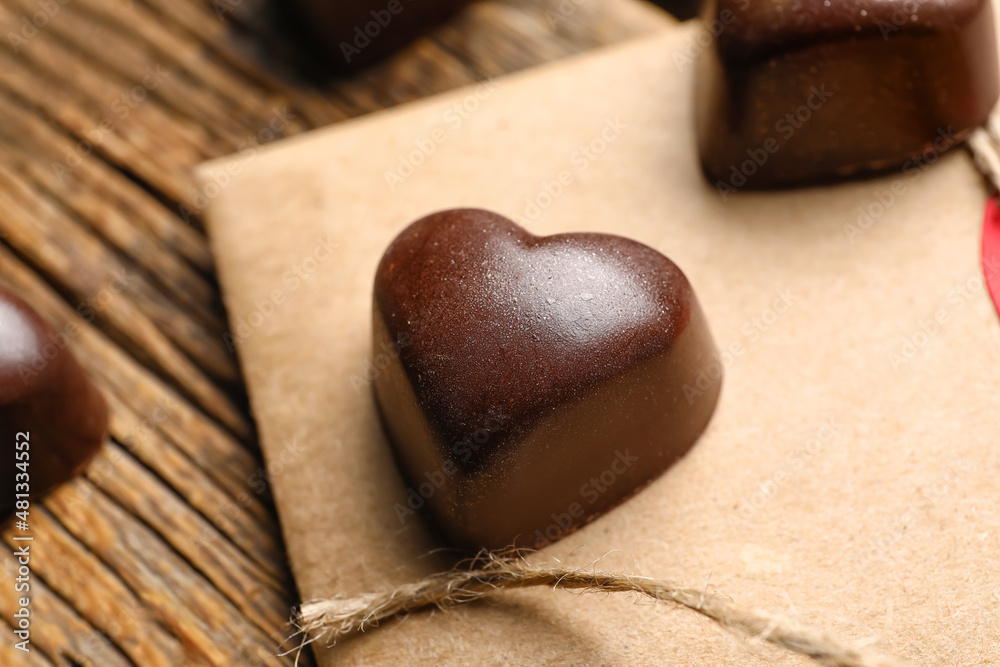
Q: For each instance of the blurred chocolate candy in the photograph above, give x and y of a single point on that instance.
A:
(811, 90)
(52, 419)
(354, 33)
(682, 9)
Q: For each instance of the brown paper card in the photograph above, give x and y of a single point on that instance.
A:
(849, 476)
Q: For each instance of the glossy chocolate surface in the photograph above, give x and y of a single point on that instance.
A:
(811, 90)
(43, 392)
(358, 32)
(534, 382)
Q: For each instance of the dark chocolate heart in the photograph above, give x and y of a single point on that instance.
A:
(532, 383)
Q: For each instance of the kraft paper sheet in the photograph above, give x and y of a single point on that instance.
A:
(849, 476)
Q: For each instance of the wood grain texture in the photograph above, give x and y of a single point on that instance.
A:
(168, 552)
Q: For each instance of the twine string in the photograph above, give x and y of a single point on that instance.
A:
(984, 144)
(335, 618)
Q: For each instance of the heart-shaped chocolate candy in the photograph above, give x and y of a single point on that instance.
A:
(532, 383)
(53, 420)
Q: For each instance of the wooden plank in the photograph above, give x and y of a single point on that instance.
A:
(102, 599)
(247, 586)
(111, 189)
(180, 282)
(58, 631)
(183, 601)
(9, 655)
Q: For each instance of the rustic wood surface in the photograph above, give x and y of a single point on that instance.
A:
(168, 551)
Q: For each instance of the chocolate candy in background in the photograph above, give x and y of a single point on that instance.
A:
(44, 393)
(681, 9)
(534, 382)
(355, 33)
(813, 90)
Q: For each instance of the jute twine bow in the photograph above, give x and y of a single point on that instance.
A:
(335, 618)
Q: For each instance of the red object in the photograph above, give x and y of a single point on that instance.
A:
(991, 249)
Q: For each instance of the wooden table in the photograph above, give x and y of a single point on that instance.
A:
(169, 552)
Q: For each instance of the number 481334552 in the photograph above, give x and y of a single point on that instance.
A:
(22, 487)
